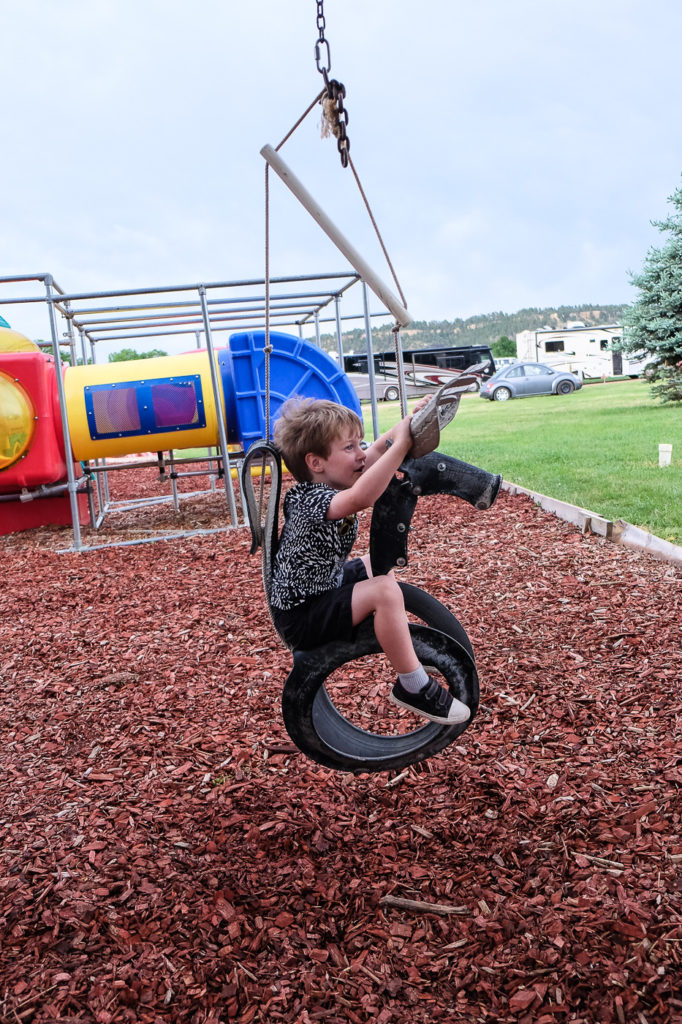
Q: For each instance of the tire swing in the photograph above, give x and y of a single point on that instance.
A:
(314, 723)
(324, 734)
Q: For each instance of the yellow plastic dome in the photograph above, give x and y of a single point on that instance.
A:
(12, 341)
(17, 421)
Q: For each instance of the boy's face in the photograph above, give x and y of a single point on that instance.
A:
(344, 464)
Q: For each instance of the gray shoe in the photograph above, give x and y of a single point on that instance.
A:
(433, 702)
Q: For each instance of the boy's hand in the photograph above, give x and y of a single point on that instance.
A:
(421, 403)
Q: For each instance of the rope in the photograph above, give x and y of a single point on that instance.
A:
(396, 329)
(378, 233)
(301, 119)
(268, 346)
(267, 351)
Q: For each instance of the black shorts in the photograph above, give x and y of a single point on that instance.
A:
(324, 617)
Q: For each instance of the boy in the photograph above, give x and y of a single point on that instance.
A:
(317, 595)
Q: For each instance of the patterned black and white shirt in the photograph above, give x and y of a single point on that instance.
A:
(312, 549)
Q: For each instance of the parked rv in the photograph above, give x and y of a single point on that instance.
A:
(425, 370)
(585, 351)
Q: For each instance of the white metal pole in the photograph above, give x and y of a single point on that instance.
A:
(339, 333)
(381, 290)
(68, 455)
(370, 362)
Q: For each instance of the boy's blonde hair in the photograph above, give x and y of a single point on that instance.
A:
(311, 425)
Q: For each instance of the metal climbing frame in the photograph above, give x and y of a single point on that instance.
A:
(82, 321)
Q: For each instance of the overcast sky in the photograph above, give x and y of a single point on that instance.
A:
(514, 154)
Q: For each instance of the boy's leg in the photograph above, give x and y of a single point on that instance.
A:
(415, 689)
(382, 597)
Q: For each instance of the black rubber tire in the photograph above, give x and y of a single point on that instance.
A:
(392, 393)
(502, 395)
(323, 734)
(565, 387)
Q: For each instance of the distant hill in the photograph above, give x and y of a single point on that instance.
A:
(483, 329)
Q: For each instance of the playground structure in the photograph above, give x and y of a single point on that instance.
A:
(64, 428)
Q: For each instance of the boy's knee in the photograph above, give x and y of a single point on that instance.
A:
(388, 590)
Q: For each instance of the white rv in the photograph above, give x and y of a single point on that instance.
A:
(588, 351)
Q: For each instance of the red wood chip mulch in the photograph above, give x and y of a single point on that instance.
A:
(168, 856)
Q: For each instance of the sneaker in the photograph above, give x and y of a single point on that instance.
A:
(432, 702)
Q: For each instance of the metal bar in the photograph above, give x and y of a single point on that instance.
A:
(108, 468)
(166, 289)
(227, 476)
(22, 301)
(189, 318)
(91, 506)
(15, 278)
(182, 316)
(70, 475)
(44, 491)
(121, 505)
(100, 489)
(148, 540)
(339, 335)
(381, 290)
(173, 480)
(213, 462)
(197, 472)
(225, 300)
(400, 367)
(84, 354)
(245, 321)
(370, 364)
(70, 336)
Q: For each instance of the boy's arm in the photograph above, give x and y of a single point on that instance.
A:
(376, 478)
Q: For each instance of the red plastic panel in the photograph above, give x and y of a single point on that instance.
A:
(43, 462)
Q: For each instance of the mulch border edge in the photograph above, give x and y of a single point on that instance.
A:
(620, 531)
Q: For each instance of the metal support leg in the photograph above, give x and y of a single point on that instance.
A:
(339, 335)
(71, 476)
(370, 362)
(217, 395)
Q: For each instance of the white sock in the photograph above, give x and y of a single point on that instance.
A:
(415, 681)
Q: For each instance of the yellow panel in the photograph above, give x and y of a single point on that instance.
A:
(77, 378)
(17, 421)
(12, 341)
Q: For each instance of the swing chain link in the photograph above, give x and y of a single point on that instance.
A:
(335, 113)
(322, 43)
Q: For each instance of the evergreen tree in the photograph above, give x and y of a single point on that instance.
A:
(653, 325)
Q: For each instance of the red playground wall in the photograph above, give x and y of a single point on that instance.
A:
(44, 463)
(26, 515)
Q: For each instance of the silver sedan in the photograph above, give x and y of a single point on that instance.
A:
(523, 379)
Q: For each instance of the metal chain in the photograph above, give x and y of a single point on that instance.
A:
(322, 44)
(335, 115)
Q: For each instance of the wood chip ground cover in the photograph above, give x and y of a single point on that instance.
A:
(168, 856)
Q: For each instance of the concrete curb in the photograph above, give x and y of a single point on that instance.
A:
(620, 532)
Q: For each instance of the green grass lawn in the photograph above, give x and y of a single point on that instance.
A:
(597, 448)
